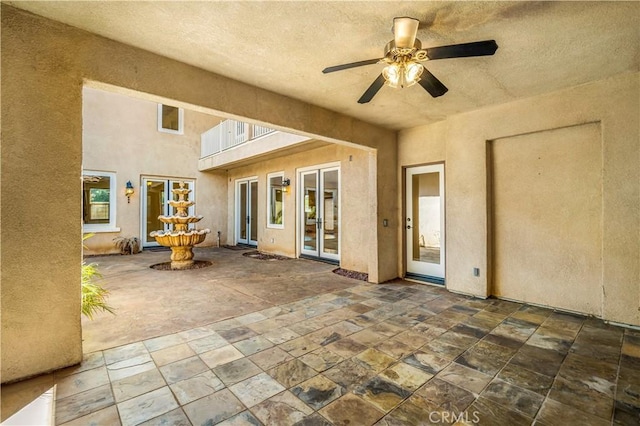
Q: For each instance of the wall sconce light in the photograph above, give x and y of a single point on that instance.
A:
(128, 191)
(285, 184)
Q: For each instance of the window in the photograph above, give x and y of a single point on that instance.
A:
(170, 119)
(275, 200)
(98, 201)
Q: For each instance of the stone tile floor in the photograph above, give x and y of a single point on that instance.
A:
(391, 354)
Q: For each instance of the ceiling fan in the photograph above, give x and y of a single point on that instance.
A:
(403, 55)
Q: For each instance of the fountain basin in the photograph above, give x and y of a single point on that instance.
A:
(179, 219)
(181, 204)
(181, 191)
(180, 238)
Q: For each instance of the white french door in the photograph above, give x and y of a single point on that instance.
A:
(424, 222)
(320, 213)
(155, 193)
(247, 211)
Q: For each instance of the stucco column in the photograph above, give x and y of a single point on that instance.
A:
(41, 209)
(383, 208)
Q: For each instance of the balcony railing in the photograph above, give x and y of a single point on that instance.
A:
(228, 134)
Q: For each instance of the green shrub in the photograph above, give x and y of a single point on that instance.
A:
(93, 295)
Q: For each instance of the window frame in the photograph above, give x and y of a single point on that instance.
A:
(180, 130)
(103, 227)
(269, 186)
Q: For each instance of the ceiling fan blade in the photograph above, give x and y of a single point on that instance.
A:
(372, 90)
(405, 30)
(350, 65)
(431, 84)
(463, 50)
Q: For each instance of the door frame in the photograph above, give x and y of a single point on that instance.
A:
(191, 183)
(336, 165)
(253, 239)
(440, 167)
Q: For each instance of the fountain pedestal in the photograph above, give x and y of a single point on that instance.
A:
(180, 239)
(181, 257)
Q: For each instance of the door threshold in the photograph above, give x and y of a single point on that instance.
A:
(320, 259)
(249, 246)
(425, 279)
(239, 247)
(156, 248)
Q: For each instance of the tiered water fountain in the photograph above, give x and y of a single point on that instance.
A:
(180, 239)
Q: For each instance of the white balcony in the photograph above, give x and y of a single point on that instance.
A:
(228, 134)
(224, 146)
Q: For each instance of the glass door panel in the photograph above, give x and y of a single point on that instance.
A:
(175, 184)
(309, 219)
(330, 213)
(174, 197)
(243, 234)
(253, 209)
(155, 201)
(424, 222)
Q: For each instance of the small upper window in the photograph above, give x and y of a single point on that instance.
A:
(98, 201)
(170, 119)
(275, 200)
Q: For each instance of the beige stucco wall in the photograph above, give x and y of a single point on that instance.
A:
(461, 141)
(44, 67)
(355, 227)
(120, 135)
(546, 218)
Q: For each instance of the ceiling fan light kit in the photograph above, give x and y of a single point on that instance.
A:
(401, 75)
(403, 55)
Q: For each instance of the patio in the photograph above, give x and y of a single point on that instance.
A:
(152, 303)
(250, 341)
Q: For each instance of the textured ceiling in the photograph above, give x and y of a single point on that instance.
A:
(283, 46)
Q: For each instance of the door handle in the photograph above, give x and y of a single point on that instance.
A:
(319, 223)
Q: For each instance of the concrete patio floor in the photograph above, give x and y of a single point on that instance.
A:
(249, 341)
(151, 303)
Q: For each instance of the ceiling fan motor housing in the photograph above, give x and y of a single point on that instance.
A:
(392, 53)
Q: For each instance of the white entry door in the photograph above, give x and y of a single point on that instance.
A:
(424, 222)
(155, 193)
(320, 213)
(247, 211)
